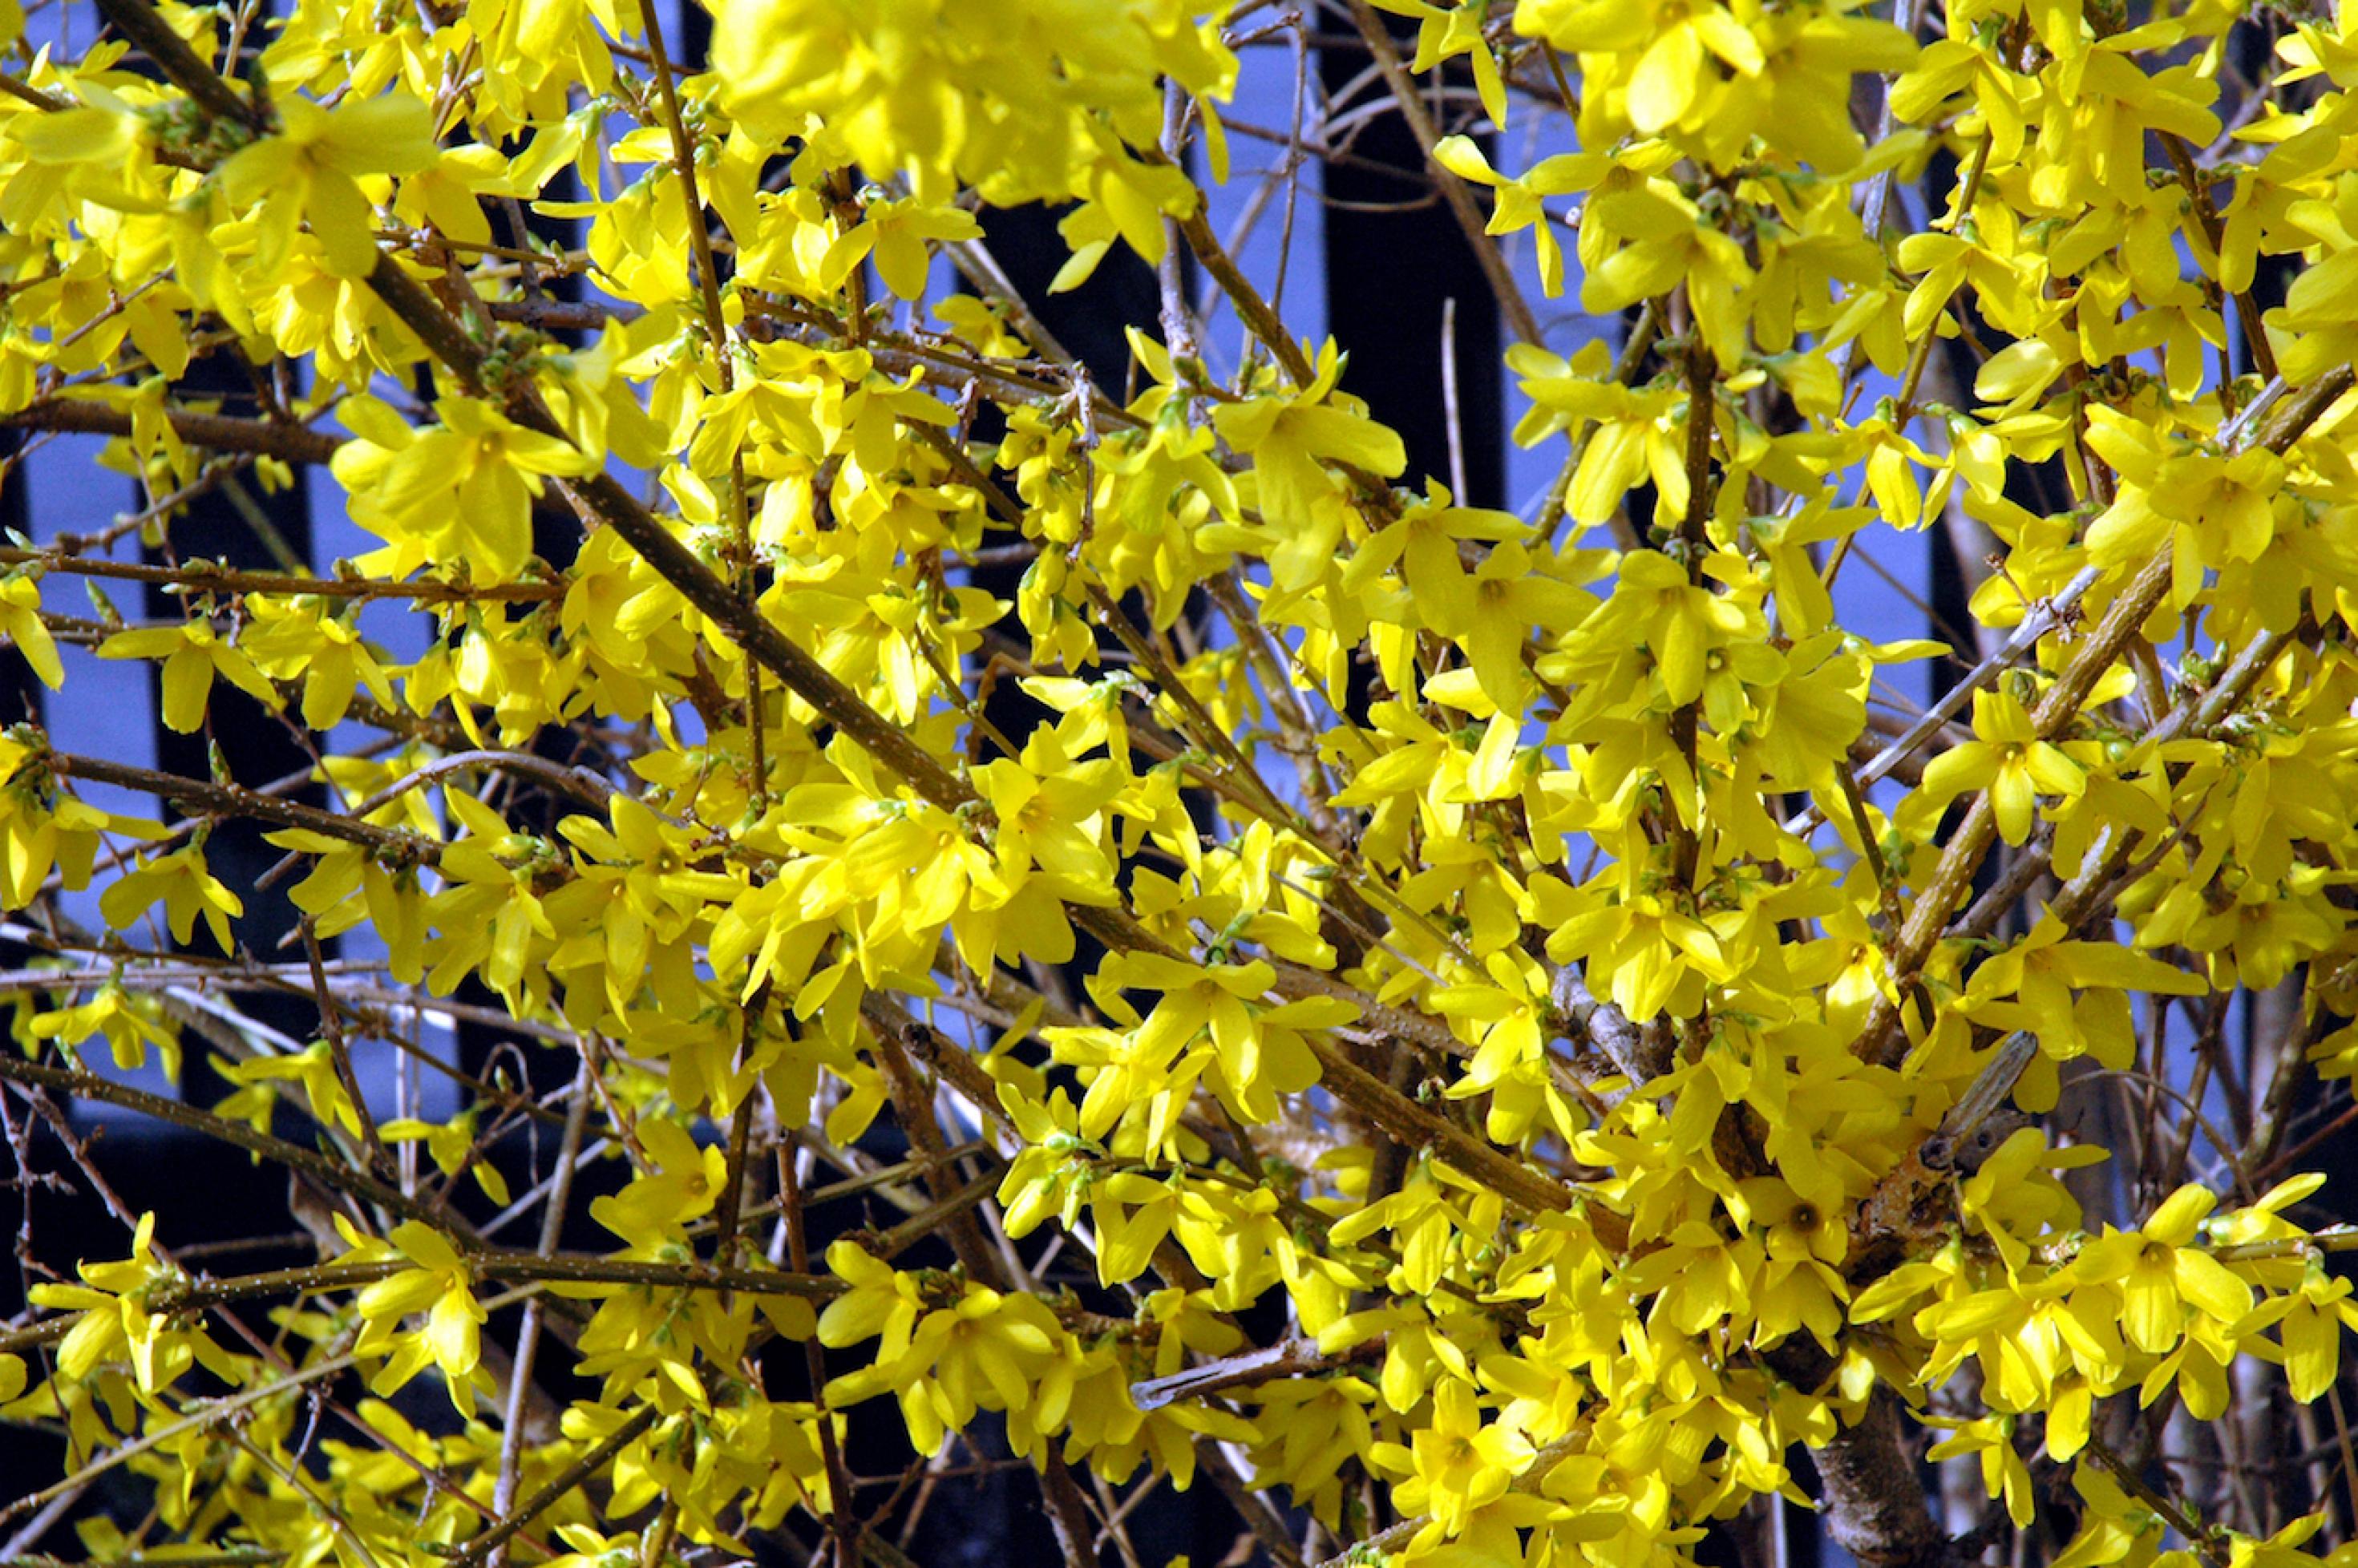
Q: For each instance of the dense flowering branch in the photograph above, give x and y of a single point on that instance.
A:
(1538, 959)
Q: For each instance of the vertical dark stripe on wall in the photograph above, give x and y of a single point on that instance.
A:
(695, 47)
(240, 523)
(20, 690)
(1394, 254)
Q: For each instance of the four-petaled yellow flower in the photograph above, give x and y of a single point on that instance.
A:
(1459, 1464)
(2008, 758)
(310, 169)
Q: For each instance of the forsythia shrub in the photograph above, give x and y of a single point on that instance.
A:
(1525, 952)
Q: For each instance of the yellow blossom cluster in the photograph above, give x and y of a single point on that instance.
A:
(1530, 959)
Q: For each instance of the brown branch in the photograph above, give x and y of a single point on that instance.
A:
(1494, 271)
(604, 501)
(715, 332)
(912, 1104)
(1881, 1038)
(206, 576)
(331, 1028)
(236, 800)
(1875, 1505)
(55, 102)
(1379, 1547)
(2197, 193)
(559, 1486)
(157, 1435)
(552, 1268)
(527, 1347)
(1694, 542)
(1293, 1358)
(218, 432)
(1256, 313)
(1251, 1506)
(1297, 734)
(1411, 1124)
(843, 1524)
(319, 1167)
(148, 32)
(2195, 1534)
